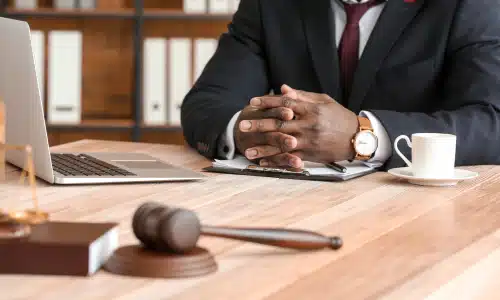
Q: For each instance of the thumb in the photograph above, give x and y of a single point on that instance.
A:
(289, 92)
(298, 94)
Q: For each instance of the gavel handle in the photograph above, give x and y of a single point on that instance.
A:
(284, 238)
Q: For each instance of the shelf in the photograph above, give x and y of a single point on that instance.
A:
(111, 124)
(167, 128)
(180, 15)
(161, 14)
(70, 13)
(108, 124)
(112, 78)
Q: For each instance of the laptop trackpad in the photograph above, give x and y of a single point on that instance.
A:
(143, 164)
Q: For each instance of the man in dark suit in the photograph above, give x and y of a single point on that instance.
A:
(340, 67)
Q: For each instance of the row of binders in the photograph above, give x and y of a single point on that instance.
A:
(170, 67)
(58, 4)
(211, 6)
(169, 71)
(190, 6)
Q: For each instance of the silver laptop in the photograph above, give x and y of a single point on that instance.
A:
(25, 125)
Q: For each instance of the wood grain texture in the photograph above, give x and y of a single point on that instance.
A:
(400, 241)
(2, 140)
(164, 4)
(108, 73)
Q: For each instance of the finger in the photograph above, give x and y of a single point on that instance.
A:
(303, 95)
(296, 94)
(262, 151)
(286, 89)
(270, 125)
(281, 113)
(282, 141)
(292, 93)
(275, 143)
(284, 160)
(300, 107)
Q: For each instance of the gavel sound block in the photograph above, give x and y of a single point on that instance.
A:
(169, 239)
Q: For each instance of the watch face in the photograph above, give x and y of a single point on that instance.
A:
(365, 143)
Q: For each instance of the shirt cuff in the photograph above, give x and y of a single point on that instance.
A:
(384, 149)
(227, 148)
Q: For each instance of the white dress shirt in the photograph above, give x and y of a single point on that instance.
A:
(226, 147)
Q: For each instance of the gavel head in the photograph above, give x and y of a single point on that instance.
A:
(163, 228)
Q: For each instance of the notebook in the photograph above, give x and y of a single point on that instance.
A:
(239, 165)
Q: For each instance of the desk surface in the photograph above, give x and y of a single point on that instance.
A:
(401, 241)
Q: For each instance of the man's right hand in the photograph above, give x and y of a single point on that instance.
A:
(272, 143)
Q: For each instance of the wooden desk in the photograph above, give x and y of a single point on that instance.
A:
(401, 241)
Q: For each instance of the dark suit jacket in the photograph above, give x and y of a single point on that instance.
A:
(429, 66)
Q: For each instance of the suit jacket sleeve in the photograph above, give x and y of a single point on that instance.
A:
(469, 106)
(236, 73)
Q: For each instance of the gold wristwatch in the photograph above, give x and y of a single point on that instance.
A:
(365, 142)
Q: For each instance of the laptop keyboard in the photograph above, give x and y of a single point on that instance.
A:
(85, 165)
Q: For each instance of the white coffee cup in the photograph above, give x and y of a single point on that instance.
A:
(433, 154)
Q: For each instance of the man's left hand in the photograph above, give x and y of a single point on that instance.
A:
(323, 128)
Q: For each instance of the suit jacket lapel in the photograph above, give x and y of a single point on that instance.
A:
(396, 16)
(319, 26)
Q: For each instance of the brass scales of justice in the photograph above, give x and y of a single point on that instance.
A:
(14, 224)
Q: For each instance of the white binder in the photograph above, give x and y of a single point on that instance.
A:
(64, 4)
(25, 4)
(218, 6)
(179, 76)
(155, 81)
(204, 49)
(38, 48)
(88, 4)
(195, 6)
(64, 77)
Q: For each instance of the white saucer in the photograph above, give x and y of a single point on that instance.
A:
(407, 174)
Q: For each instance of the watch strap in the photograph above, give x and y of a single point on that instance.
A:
(364, 125)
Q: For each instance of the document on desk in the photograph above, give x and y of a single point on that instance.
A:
(311, 171)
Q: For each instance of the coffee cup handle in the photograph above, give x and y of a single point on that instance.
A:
(408, 141)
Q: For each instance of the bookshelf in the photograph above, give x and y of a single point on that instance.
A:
(112, 60)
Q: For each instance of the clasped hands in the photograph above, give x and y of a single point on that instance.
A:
(298, 126)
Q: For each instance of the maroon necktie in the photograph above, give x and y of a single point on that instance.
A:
(349, 44)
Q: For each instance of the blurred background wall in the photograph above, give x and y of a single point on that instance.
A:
(119, 69)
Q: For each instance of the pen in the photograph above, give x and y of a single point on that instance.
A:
(337, 167)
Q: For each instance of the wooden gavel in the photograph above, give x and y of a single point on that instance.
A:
(177, 230)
